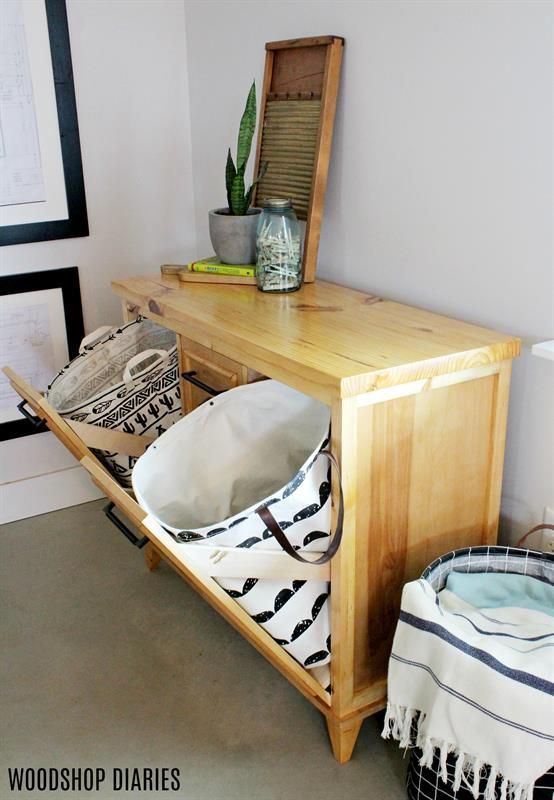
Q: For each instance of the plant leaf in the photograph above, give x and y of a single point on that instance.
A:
(261, 173)
(248, 198)
(238, 200)
(246, 129)
(249, 194)
(263, 170)
(230, 173)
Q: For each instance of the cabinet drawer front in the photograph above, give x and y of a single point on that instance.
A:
(217, 371)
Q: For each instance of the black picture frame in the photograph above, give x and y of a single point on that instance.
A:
(67, 280)
(76, 223)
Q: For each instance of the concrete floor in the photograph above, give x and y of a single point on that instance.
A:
(104, 664)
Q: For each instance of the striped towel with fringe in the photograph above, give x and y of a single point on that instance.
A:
(476, 683)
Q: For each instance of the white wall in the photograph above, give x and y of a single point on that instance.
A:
(132, 102)
(440, 189)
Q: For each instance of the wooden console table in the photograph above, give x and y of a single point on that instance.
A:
(418, 407)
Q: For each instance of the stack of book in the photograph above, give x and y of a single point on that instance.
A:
(212, 270)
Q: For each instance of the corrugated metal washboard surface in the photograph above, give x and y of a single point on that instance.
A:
(289, 145)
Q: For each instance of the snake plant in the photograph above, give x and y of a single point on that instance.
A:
(237, 198)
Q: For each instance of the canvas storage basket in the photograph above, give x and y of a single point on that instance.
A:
(259, 445)
(425, 782)
(124, 378)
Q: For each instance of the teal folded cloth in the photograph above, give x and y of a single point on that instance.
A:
(499, 590)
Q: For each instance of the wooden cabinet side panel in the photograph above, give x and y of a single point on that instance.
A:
(344, 436)
(498, 443)
(426, 467)
(384, 471)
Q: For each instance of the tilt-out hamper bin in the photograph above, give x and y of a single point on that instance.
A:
(124, 379)
(212, 479)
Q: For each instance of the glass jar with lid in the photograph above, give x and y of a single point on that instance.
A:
(278, 256)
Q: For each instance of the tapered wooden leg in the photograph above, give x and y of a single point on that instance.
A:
(343, 737)
(151, 557)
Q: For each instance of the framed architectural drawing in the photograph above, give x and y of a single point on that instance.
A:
(42, 194)
(41, 327)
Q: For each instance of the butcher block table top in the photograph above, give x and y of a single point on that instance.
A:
(325, 339)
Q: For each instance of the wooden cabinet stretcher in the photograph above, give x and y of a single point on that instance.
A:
(418, 406)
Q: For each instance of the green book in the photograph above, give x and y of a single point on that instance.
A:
(213, 264)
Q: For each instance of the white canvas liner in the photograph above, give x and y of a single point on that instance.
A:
(205, 477)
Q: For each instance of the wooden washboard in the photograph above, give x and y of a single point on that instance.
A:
(297, 114)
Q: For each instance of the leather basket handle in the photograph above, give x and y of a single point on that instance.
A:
(543, 527)
(273, 526)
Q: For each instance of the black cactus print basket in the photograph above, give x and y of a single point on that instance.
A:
(124, 379)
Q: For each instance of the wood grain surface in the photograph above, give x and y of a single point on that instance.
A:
(326, 340)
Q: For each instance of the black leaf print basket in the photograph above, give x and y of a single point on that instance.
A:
(250, 470)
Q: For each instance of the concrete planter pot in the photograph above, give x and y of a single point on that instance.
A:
(234, 238)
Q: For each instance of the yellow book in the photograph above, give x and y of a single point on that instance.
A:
(214, 265)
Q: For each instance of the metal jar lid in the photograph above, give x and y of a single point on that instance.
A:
(277, 202)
